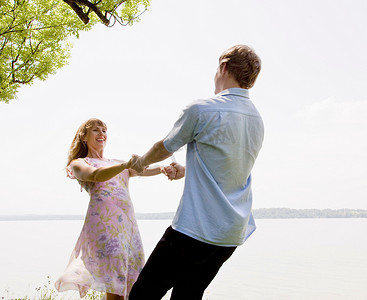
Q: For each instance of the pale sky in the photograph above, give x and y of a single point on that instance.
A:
(138, 79)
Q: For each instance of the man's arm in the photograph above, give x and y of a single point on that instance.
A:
(155, 154)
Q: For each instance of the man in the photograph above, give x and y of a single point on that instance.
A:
(223, 135)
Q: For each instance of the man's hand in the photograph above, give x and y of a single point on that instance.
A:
(136, 163)
(180, 170)
(169, 171)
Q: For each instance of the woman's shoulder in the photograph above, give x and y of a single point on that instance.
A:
(76, 163)
(80, 160)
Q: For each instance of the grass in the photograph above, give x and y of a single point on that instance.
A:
(47, 292)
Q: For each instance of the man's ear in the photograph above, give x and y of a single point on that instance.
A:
(223, 67)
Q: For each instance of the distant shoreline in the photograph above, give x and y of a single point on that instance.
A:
(261, 213)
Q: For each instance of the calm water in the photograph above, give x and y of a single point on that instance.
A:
(283, 259)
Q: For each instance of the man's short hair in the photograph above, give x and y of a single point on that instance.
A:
(242, 63)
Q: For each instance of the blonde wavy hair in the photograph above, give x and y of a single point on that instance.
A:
(78, 147)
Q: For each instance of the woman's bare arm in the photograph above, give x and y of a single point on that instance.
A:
(88, 173)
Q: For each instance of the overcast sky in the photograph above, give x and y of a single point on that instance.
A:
(311, 94)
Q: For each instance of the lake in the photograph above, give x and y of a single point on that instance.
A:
(283, 259)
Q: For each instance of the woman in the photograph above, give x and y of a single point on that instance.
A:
(108, 255)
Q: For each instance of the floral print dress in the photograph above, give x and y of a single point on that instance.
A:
(108, 255)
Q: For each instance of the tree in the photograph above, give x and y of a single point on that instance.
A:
(34, 34)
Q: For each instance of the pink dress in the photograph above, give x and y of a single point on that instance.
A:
(108, 255)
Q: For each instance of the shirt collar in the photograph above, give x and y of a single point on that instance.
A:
(235, 91)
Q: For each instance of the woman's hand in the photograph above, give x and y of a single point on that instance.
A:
(169, 171)
(174, 171)
(180, 170)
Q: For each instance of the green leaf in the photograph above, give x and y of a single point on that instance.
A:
(34, 36)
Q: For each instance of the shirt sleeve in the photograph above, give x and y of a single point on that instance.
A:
(183, 131)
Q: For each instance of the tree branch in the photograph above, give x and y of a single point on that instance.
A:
(84, 16)
(95, 9)
(78, 10)
(33, 29)
(5, 41)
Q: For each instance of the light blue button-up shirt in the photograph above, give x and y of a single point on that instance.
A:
(224, 135)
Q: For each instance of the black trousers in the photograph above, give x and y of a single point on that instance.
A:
(182, 263)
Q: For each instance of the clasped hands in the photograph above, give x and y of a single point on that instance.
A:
(174, 171)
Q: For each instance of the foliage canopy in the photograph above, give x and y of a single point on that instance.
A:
(34, 34)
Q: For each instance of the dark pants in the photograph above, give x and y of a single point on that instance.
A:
(182, 263)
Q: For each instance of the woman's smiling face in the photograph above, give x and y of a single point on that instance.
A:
(96, 137)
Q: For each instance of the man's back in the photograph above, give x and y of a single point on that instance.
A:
(224, 135)
(231, 138)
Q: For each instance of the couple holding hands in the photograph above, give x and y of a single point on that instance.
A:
(223, 135)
